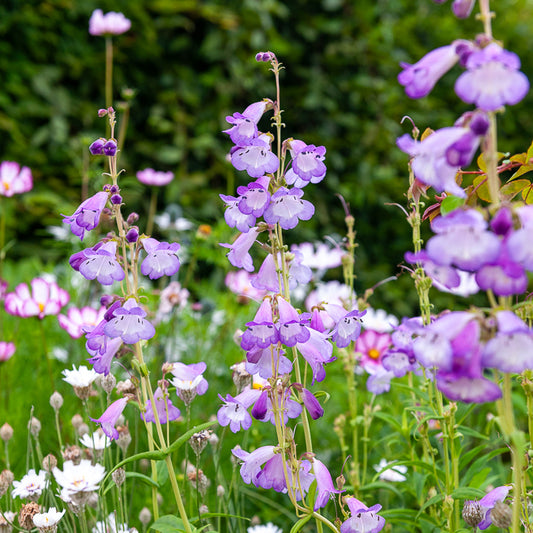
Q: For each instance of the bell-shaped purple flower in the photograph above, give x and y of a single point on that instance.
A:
(511, 350)
(252, 462)
(190, 376)
(347, 329)
(87, 215)
(312, 405)
(519, 242)
(287, 208)
(492, 79)
(99, 262)
(234, 412)
(102, 361)
(234, 217)
(254, 197)
(316, 351)
(324, 484)
(292, 328)
(129, 323)
(364, 519)
(162, 258)
(239, 255)
(261, 361)
(256, 158)
(489, 501)
(261, 332)
(165, 410)
(420, 78)
(244, 127)
(109, 419)
(307, 163)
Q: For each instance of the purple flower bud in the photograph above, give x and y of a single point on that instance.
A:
(97, 147)
(110, 417)
(114, 189)
(259, 410)
(502, 222)
(116, 199)
(132, 218)
(106, 299)
(102, 112)
(312, 405)
(110, 148)
(132, 235)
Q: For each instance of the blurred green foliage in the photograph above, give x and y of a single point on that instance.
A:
(191, 63)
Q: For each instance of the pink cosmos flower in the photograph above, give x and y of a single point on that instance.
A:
(45, 298)
(7, 349)
(372, 346)
(149, 176)
(13, 179)
(109, 24)
(76, 320)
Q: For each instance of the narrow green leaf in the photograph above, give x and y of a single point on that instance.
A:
(301, 523)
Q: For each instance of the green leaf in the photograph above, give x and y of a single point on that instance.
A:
(170, 524)
(467, 493)
(301, 523)
(450, 203)
(512, 188)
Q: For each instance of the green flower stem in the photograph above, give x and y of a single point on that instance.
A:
(352, 407)
(151, 212)
(108, 71)
(491, 161)
(58, 430)
(2, 233)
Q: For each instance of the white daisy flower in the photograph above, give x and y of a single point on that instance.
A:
(30, 486)
(394, 473)
(47, 522)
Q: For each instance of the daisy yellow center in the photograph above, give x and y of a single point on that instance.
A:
(373, 353)
(6, 185)
(41, 307)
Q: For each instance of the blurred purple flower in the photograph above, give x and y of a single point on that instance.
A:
(149, 176)
(77, 319)
(165, 410)
(7, 349)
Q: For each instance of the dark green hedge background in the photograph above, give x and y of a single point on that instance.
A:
(191, 63)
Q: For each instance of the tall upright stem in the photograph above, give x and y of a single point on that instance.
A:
(108, 71)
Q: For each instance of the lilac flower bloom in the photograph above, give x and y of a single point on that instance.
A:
(45, 298)
(239, 255)
(316, 351)
(312, 405)
(519, 242)
(163, 408)
(364, 519)
(268, 278)
(162, 259)
(97, 147)
(109, 24)
(503, 276)
(511, 350)
(347, 329)
(398, 362)
(379, 380)
(492, 79)
(489, 501)
(234, 217)
(7, 349)
(259, 410)
(190, 374)
(461, 8)
(324, 484)
(462, 240)
(307, 163)
(260, 361)
(99, 262)
(129, 323)
(252, 462)
(420, 78)
(87, 215)
(263, 409)
(438, 158)
(287, 208)
(109, 419)
(446, 276)
(256, 158)
(101, 360)
(244, 128)
(13, 179)
(291, 328)
(261, 332)
(149, 176)
(254, 198)
(234, 412)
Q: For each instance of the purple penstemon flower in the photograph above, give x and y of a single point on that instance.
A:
(324, 484)
(254, 197)
(161, 260)
(239, 255)
(317, 351)
(87, 215)
(99, 262)
(234, 412)
(109, 418)
(492, 79)
(363, 519)
(489, 501)
(261, 332)
(256, 158)
(312, 405)
(292, 328)
(165, 410)
(129, 323)
(244, 128)
(187, 376)
(347, 329)
(260, 360)
(103, 356)
(252, 462)
(287, 208)
(307, 163)
(263, 408)
(234, 217)
(519, 242)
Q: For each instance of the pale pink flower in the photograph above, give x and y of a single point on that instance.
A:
(76, 320)
(7, 349)
(109, 24)
(149, 176)
(45, 298)
(13, 179)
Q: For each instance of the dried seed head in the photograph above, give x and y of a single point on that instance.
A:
(26, 514)
(6, 432)
(213, 440)
(203, 509)
(199, 480)
(145, 516)
(82, 429)
(473, 513)
(49, 462)
(35, 426)
(240, 376)
(6, 479)
(56, 401)
(220, 491)
(126, 387)
(501, 515)
(6, 519)
(108, 383)
(199, 441)
(72, 453)
(76, 421)
(118, 476)
(124, 438)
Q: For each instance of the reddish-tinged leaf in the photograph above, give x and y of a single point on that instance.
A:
(512, 188)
